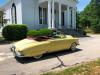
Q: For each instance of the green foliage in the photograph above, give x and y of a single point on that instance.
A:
(1, 16)
(41, 32)
(90, 17)
(96, 28)
(46, 32)
(1, 39)
(84, 22)
(33, 33)
(2, 20)
(88, 30)
(82, 31)
(14, 32)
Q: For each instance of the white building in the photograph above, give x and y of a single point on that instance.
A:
(36, 14)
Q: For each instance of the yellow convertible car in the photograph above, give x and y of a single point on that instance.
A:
(30, 47)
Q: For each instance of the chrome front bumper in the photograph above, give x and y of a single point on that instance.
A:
(16, 54)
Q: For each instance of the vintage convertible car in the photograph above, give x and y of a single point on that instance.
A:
(30, 47)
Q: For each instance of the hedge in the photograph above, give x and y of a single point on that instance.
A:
(14, 32)
(46, 32)
(41, 32)
(33, 33)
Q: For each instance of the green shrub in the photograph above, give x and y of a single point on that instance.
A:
(82, 31)
(33, 33)
(88, 30)
(46, 32)
(96, 28)
(14, 32)
(41, 32)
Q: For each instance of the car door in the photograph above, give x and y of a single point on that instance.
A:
(58, 44)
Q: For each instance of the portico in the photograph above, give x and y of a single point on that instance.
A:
(59, 14)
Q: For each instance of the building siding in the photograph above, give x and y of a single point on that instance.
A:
(28, 13)
(7, 11)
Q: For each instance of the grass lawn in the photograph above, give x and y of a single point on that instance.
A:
(1, 38)
(89, 68)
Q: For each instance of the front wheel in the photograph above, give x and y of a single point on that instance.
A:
(73, 46)
(38, 56)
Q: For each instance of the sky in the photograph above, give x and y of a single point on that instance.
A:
(81, 4)
(2, 2)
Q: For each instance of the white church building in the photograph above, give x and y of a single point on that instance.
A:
(36, 14)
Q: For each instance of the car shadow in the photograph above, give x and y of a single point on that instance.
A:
(27, 60)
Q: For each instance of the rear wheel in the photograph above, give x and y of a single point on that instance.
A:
(38, 56)
(73, 46)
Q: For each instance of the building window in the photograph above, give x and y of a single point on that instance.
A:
(42, 15)
(13, 13)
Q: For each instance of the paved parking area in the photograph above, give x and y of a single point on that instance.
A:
(88, 49)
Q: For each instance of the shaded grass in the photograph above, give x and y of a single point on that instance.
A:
(1, 38)
(88, 30)
(89, 68)
(3, 41)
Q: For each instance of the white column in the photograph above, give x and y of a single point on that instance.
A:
(49, 14)
(68, 17)
(53, 15)
(60, 16)
(74, 18)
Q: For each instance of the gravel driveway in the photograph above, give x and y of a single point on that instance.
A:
(88, 49)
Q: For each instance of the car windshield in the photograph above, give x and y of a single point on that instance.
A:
(58, 34)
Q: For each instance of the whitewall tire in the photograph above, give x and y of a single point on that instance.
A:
(38, 56)
(73, 46)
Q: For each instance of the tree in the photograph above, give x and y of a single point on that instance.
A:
(2, 20)
(1, 17)
(90, 17)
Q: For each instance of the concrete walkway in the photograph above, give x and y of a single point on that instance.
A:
(88, 49)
